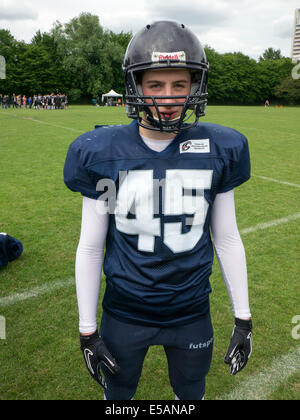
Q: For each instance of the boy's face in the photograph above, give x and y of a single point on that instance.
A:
(167, 82)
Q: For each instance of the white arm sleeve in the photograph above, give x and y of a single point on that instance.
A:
(89, 257)
(230, 253)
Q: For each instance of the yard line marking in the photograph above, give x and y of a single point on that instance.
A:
(43, 122)
(35, 291)
(276, 222)
(277, 181)
(261, 385)
(53, 125)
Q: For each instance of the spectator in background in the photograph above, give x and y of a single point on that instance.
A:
(14, 101)
(5, 101)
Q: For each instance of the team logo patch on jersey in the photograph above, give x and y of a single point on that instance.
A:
(195, 146)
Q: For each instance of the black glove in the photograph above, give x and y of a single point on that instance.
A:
(94, 352)
(240, 347)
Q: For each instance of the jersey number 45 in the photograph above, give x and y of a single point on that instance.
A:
(141, 198)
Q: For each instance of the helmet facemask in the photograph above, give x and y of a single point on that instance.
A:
(138, 105)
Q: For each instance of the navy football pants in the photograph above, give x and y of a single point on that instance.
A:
(188, 349)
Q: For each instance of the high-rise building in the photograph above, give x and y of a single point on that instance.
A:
(296, 39)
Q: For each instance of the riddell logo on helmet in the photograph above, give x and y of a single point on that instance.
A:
(168, 57)
(174, 56)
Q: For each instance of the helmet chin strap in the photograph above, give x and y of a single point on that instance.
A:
(163, 124)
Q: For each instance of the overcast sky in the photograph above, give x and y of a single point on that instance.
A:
(249, 26)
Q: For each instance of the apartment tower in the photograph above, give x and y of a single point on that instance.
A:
(296, 38)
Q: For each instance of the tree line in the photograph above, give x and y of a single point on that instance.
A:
(83, 60)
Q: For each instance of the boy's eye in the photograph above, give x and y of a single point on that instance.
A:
(155, 86)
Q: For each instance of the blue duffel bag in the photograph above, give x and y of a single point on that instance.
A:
(10, 249)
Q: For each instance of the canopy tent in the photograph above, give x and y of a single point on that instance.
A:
(112, 97)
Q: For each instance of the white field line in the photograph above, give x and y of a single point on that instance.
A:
(35, 291)
(53, 125)
(272, 223)
(277, 181)
(260, 385)
(43, 122)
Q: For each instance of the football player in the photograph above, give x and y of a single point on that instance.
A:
(158, 194)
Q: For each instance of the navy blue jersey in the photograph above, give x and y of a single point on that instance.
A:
(159, 252)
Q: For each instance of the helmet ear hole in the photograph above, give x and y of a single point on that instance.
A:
(194, 88)
(138, 80)
(139, 89)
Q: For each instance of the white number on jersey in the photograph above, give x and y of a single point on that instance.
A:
(137, 197)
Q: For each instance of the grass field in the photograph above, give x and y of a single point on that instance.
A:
(40, 357)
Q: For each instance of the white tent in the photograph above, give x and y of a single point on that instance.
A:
(114, 96)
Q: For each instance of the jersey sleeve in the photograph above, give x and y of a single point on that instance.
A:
(237, 165)
(76, 173)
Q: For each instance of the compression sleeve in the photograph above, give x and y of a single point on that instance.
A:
(89, 258)
(90, 251)
(230, 252)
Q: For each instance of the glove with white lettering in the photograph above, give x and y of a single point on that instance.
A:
(240, 347)
(94, 352)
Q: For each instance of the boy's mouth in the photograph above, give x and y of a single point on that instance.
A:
(168, 116)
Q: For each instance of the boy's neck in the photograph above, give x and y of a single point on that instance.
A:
(156, 135)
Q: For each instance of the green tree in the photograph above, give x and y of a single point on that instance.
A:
(116, 50)
(92, 55)
(7, 43)
(37, 72)
(8, 49)
(216, 89)
(269, 75)
(235, 78)
(232, 78)
(60, 78)
(271, 54)
(32, 68)
(288, 91)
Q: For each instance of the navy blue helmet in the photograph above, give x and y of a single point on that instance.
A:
(160, 45)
